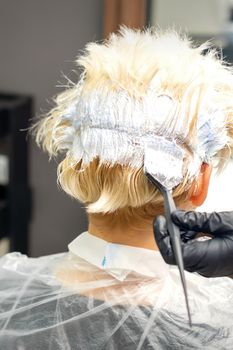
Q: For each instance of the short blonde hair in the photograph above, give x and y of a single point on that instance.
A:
(130, 60)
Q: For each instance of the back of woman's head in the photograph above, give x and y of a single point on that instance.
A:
(138, 87)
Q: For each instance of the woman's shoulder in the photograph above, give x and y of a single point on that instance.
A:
(17, 269)
(16, 261)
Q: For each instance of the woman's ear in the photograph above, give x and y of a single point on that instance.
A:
(199, 189)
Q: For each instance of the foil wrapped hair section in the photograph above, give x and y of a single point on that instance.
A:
(164, 160)
(118, 127)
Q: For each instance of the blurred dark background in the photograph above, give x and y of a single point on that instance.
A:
(39, 40)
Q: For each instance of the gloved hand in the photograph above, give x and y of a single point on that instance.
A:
(210, 258)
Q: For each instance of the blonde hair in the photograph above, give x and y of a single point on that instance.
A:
(130, 60)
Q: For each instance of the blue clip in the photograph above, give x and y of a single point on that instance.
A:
(103, 261)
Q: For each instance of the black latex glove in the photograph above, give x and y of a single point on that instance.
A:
(210, 258)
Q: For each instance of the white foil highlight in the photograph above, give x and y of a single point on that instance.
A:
(117, 128)
(164, 161)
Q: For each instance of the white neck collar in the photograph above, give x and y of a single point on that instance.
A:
(117, 259)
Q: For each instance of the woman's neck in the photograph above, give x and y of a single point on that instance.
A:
(122, 233)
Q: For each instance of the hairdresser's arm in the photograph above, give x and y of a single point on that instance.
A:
(210, 258)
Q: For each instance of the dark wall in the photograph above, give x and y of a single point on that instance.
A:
(38, 41)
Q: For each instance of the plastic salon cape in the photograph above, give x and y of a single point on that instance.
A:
(109, 296)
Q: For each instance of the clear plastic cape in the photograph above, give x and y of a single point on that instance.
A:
(64, 302)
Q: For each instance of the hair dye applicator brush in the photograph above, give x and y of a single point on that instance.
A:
(163, 166)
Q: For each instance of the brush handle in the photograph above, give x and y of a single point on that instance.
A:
(174, 233)
(169, 206)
